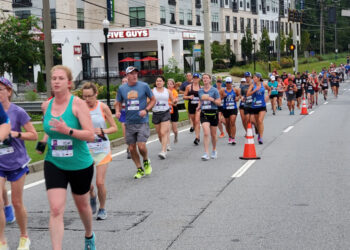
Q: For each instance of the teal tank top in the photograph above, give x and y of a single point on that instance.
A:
(64, 151)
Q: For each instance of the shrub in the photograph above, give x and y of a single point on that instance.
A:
(41, 83)
(237, 71)
(286, 62)
(275, 65)
(31, 96)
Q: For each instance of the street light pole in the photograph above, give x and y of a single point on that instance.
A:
(162, 48)
(105, 25)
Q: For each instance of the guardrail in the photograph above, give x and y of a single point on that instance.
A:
(35, 107)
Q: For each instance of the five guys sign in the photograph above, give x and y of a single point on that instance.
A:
(128, 34)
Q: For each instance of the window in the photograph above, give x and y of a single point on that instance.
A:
(240, 4)
(268, 8)
(290, 27)
(297, 29)
(235, 24)
(276, 27)
(53, 18)
(162, 15)
(172, 2)
(198, 4)
(189, 17)
(255, 26)
(22, 14)
(227, 22)
(249, 24)
(282, 28)
(286, 28)
(259, 6)
(182, 17)
(235, 6)
(242, 24)
(267, 25)
(226, 2)
(198, 20)
(254, 7)
(21, 3)
(215, 23)
(272, 27)
(80, 18)
(137, 16)
(214, 1)
(261, 25)
(172, 18)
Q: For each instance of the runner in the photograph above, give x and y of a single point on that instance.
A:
(100, 149)
(191, 94)
(208, 105)
(324, 85)
(68, 124)
(257, 91)
(310, 86)
(299, 84)
(122, 119)
(248, 102)
(316, 88)
(273, 84)
(336, 81)
(219, 86)
(135, 94)
(174, 111)
(280, 90)
(161, 114)
(230, 96)
(14, 162)
(243, 87)
(5, 126)
(189, 80)
(291, 90)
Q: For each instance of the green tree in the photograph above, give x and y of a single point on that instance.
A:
(305, 41)
(265, 44)
(282, 44)
(247, 45)
(289, 40)
(19, 46)
(218, 51)
(41, 83)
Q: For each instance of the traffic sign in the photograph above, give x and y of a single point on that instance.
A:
(197, 51)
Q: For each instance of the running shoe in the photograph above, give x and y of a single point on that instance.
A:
(191, 129)
(260, 140)
(93, 204)
(214, 154)
(4, 246)
(168, 148)
(196, 141)
(101, 214)
(222, 135)
(273, 113)
(233, 141)
(292, 112)
(162, 155)
(128, 154)
(10, 217)
(90, 243)
(24, 243)
(229, 140)
(139, 174)
(205, 157)
(147, 166)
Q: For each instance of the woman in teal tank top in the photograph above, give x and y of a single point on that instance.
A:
(68, 124)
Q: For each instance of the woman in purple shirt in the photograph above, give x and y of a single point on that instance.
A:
(13, 162)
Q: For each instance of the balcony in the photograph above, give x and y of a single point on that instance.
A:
(21, 3)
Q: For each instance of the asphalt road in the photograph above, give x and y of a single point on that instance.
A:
(295, 197)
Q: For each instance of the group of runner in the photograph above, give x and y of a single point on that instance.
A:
(76, 133)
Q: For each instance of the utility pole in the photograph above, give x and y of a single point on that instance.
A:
(47, 44)
(207, 48)
(321, 28)
(295, 42)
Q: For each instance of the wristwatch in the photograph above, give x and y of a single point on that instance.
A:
(71, 132)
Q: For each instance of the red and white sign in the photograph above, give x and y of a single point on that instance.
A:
(189, 35)
(127, 34)
(77, 49)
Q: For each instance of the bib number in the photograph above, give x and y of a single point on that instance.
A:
(62, 148)
(133, 105)
(195, 100)
(5, 149)
(206, 105)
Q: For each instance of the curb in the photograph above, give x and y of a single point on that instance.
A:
(39, 165)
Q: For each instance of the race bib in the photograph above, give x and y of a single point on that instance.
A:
(310, 88)
(98, 146)
(133, 104)
(258, 103)
(291, 92)
(161, 106)
(206, 105)
(5, 149)
(249, 99)
(230, 105)
(62, 148)
(195, 100)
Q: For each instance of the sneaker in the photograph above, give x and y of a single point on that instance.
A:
(93, 204)
(214, 154)
(175, 138)
(162, 155)
(191, 129)
(101, 214)
(222, 135)
(10, 217)
(196, 141)
(4, 246)
(139, 174)
(24, 243)
(168, 148)
(260, 140)
(229, 140)
(90, 243)
(233, 141)
(292, 112)
(128, 154)
(147, 166)
(273, 113)
(205, 157)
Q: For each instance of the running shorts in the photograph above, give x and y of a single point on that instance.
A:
(161, 116)
(256, 111)
(299, 93)
(228, 112)
(174, 117)
(280, 94)
(14, 175)
(136, 133)
(192, 108)
(210, 116)
(273, 96)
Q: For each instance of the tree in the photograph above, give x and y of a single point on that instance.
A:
(265, 44)
(305, 40)
(19, 46)
(282, 44)
(247, 45)
(41, 83)
(218, 51)
(289, 40)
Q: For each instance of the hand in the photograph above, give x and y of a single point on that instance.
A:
(117, 115)
(143, 113)
(98, 131)
(14, 134)
(198, 108)
(59, 126)
(191, 97)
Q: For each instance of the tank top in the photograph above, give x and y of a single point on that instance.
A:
(195, 99)
(229, 102)
(273, 86)
(309, 86)
(99, 148)
(298, 82)
(64, 151)
(244, 89)
(259, 97)
(162, 100)
(325, 83)
(290, 90)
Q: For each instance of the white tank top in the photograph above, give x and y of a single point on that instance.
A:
(162, 100)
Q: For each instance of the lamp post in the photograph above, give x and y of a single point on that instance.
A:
(270, 52)
(254, 53)
(162, 48)
(105, 25)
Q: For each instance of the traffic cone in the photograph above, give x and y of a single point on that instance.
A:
(249, 147)
(304, 108)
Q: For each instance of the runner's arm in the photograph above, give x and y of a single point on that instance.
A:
(30, 133)
(5, 129)
(109, 117)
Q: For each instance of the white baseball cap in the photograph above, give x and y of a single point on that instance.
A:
(273, 78)
(243, 80)
(228, 79)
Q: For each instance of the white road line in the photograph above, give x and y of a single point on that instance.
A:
(325, 103)
(288, 129)
(243, 169)
(30, 185)
(312, 112)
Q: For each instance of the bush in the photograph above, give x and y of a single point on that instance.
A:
(41, 83)
(237, 71)
(31, 96)
(275, 65)
(320, 58)
(286, 62)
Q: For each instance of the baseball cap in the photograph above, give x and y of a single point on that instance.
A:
(131, 69)
(228, 80)
(273, 78)
(6, 82)
(247, 74)
(258, 75)
(196, 75)
(243, 80)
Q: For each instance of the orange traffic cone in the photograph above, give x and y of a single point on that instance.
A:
(249, 147)
(304, 108)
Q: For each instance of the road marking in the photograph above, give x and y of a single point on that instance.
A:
(312, 112)
(30, 185)
(288, 129)
(325, 103)
(243, 169)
